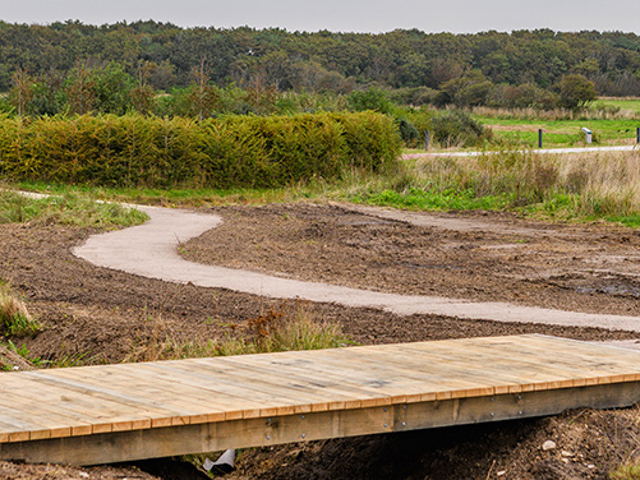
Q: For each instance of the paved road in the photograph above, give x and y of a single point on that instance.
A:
(626, 148)
(151, 250)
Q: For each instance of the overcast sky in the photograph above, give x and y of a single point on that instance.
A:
(458, 16)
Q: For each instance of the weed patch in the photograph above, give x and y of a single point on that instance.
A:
(15, 320)
(627, 471)
(67, 209)
(278, 330)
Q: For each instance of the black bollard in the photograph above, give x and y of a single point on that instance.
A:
(540, 138)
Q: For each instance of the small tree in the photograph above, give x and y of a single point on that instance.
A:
(372, 99)
(113, 89)
(143, 95)
(81, 90)
(22, 91)
(576, 91)
(203, 96)
(455, 127)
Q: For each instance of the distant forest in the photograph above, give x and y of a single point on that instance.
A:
(42, 64)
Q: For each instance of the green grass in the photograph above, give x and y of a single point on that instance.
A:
(582, 187)
(178, 197)
(626, 471)
(561, 133)
(419, 199)
(630, 104)
(25, 353)
(66, 207)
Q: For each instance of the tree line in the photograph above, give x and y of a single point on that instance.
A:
(161, 68)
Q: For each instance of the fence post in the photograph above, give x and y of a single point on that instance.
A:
(426, 139)
(540, 138)
(638, 135)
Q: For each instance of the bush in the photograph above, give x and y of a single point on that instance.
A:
(455, 127)
(576, 91)
(372, 99)
(408, 132)
(233, 151)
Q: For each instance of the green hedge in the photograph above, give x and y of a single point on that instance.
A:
(235, 151)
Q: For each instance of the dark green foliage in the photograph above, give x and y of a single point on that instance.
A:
(522, 96)
(233, 151)
(464, 70)
(409, 133)
(455, 127)
(576, 91)
(468, 91)
(372, 99)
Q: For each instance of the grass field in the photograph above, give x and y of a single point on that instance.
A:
(613, 121)
(578, 187)
(631, 104)
(562, 133)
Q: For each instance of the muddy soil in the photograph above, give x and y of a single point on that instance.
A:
(94, 315)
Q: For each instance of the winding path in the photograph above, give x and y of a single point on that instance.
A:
(151, 250)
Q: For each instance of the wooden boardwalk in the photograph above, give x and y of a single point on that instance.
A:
(104, 414)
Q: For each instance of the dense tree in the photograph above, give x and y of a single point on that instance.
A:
(576, 91)
(402, 58)
(77, 68)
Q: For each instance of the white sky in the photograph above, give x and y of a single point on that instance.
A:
(458, 16)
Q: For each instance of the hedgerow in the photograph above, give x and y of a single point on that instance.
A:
(233, 151)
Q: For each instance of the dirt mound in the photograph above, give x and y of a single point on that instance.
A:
(16, 471)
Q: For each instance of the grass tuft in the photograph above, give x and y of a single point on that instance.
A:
(627, 471)
(15, 319)
(275, 331)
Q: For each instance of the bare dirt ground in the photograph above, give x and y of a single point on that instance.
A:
(594, 269)
(95, 315)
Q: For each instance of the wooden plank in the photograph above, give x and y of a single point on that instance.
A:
(393, 381)
(224, 385)
(331, 384)
(56, 400)
(307, 391)
(128, 446)
(501, 374)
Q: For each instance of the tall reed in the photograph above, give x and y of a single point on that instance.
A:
(605, 184)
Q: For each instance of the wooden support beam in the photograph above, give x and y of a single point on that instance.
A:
(207, 437)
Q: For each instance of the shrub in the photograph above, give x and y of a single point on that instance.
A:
(576, 91)
(278, 330)
(372, 99)
(455, 127)
(233, 151)
(67, 210)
